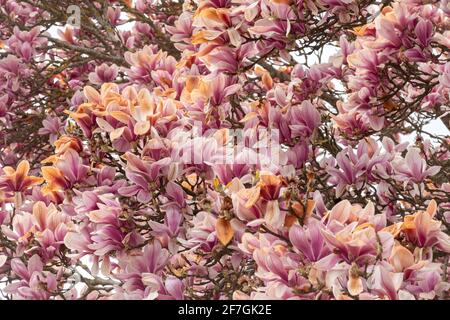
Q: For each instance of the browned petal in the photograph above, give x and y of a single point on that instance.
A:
(267, 81)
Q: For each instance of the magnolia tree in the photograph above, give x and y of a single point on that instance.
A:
(224, 149)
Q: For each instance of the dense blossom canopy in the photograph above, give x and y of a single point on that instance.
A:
(224, 149)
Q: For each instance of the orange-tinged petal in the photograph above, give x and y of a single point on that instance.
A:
(65, 142)
(353, 59)
(270, 186)
(145, 100)
(18, 179)
(129, 3)
(386, 10)
(49, 173)
(260, 71)
(364, 226)
(235, 185)
(359, 31)
(363, 30)
(224, 231)
(273, 216)
(74, 115)
(298, 209)
(389, 105)
(192, 83)
(22, 170)
(270, 179)
(235, 37)
(217, 15)
(205, 51)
